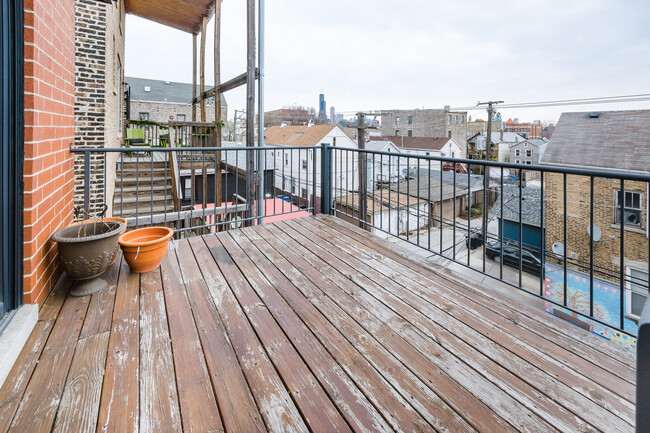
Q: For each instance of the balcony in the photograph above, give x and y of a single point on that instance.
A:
(311, 324)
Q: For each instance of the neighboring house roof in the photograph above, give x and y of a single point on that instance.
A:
(537, 142)
(428, 188)
(448, 178)
(381, 201)
(508, 137)
(424, 143)
(296, 135)
(615, 140)
(531, 202)
(164, 91)
(380, 146)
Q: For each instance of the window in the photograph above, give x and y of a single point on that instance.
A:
(410, 133)
(517, 161)
(456, 120)
(410, 120)
(143, 116)
(529, 152)
(632, 207)
(147, 89)
(428, 153)
(449, 119)
(304, 164)
(636, 292)
(517, 152)
(333, 141)
(529, 162)
(525, 144)
(397, 132)
(397, 120)
(180, 117)
(462, 120)
(286, 159)
(449, 134)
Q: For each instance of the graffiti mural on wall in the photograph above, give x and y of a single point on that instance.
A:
(607, 303)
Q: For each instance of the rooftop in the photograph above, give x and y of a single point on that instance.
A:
(426, 143)
(296, 135)
(428, 188)
(380, 200)
(164, 91)
(614, 140)
(309, 325)
(531, 203)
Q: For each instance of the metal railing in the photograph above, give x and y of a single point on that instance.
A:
(195, 190)
(529, 234)
(570, 237)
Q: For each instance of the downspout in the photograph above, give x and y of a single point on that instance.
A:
(261, 154)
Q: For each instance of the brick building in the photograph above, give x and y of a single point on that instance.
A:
(49, 130)
(528, 130)
(162, 101)
(99, 93)
(614, 142)
(426, 123)
(288, 116)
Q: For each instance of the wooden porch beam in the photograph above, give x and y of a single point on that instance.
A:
(233, 83)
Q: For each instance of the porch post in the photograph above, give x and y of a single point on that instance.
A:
(643, 371)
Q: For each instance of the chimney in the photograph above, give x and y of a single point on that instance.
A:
(502, 135)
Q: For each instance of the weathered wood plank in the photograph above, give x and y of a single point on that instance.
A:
(199, 411)
(236, 403)
(40, 403)
(314, 404)
(354, 347)
(80, 402)
(482, 403)
(415, 310)
(597, 386)
(100, 310)
(54, 301)
(355, 407)
(159, 409)
(543, 322)
(119, 406)
(14, 387)
(273, 400)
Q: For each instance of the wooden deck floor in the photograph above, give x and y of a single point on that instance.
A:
(308, 325)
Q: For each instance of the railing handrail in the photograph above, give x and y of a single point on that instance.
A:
(141, 149)
(609, 174)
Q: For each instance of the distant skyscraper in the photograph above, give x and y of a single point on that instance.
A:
(322, 109)
(332, 116)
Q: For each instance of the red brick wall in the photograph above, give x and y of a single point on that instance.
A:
(49, 130)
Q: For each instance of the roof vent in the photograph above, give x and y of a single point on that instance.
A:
(167, 82)
(147, 89)
(594, 115)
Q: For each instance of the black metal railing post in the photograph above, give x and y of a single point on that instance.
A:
(643, 371)
(326, 178)
(87, 181)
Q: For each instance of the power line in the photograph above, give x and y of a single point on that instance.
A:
(641, 97)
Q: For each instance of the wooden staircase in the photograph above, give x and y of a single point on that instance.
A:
(143, 191)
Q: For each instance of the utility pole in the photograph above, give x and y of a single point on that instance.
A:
(488, 139)
(363, 175)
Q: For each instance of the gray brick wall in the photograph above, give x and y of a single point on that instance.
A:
(426, 123)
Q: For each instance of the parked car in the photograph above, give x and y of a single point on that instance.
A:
(474, 240)
(530, 261)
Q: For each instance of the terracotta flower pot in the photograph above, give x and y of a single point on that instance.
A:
(145, 248)
(107, 219)
(86, 252)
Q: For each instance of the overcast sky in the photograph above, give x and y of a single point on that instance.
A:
(367, 55)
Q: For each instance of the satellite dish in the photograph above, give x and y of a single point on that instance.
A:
(558, 248)
(597, 233)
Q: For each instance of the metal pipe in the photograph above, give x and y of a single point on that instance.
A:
(261, 155)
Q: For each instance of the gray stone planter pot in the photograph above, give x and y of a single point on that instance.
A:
(86, 251)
